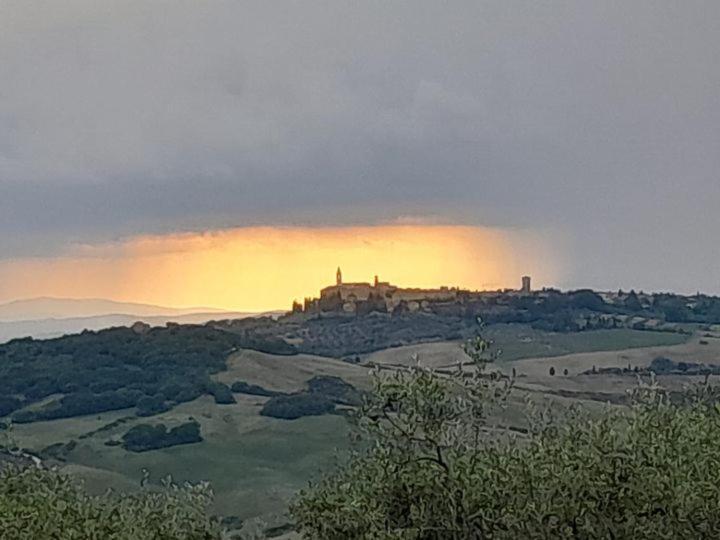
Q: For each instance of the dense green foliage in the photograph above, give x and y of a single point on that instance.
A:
(144, 437)
(151, 405)
(221, 393)
(577, 310)
(343, 336)
(436, 468)
(38, 504)
(335, 389)
(292, 406)
(154, 369)
(242, 387)
(119, 368)
(9, 404)
(322, 394)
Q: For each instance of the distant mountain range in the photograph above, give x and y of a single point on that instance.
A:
(53, 317)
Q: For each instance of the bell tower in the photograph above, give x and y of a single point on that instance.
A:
(338, 276)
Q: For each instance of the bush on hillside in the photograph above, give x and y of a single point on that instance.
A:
(242, 387)
(293, 406)
(151, 405)
(118, 368)
(221, 393)
(144, 437)
(39, 503)
(335, 389)
(661, 365)
(8, 405)
(79, 404)
(430, 470)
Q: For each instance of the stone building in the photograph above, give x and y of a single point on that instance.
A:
(526, 287)
(346, 296)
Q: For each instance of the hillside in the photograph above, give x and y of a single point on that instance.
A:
(53, 328)
(63, 308)
(256, 463)
(44, 318)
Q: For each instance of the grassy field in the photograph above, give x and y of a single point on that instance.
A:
(287, 373)
(519, 341)
(253, 473)
(255, 464)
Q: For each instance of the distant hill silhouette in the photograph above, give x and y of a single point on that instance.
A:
(63, 308)
(54, 317)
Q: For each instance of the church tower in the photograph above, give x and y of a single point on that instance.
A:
(338, 277)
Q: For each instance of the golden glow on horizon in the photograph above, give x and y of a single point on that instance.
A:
(265, 268)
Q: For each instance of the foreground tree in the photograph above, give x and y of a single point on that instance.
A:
(435, 467)
(39, 503)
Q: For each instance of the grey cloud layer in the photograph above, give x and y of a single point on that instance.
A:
(598, 119)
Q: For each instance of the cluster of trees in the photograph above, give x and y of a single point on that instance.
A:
(221, 393)
(293, 406)
(563, 311)
(144, 437)
(554, 312)
(680, 309)
(342, 336)
(242, 387)
(662, 366)
(9, 404)
(155, 369)
(119, 368)
(152, 405)
(430, 467)
(335, 389)
(323, 393)
(80, 403)
(39, 503)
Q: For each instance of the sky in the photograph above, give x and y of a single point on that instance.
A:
(577, 142)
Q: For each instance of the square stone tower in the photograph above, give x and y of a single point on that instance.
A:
(526, 284)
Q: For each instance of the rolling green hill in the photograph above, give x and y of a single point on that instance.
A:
(256, 463)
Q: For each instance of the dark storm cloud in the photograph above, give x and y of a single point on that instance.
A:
(598, 120)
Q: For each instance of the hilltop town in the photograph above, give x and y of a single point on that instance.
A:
(546, 308)
(382, 296)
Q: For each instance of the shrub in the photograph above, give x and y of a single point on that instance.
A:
(24, 417)
(335, 389)
(144, 437)
(150, 405)
(241, 387)
(221, 393)
(114, 368)
(39, 503)
(8, 405)
(661, 364)
(293, 406)
(430, 470)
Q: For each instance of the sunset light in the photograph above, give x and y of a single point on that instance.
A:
(265, 268)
